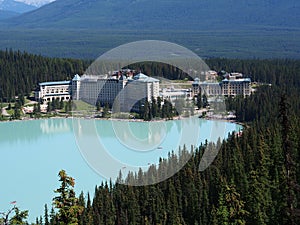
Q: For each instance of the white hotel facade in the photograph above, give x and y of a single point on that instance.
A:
(105, 89)
(49, 91)
(233, 85)
(132, 90)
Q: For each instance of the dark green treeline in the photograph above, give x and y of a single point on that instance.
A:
(20, 72)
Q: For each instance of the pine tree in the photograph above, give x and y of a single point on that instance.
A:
(52, 217)
(204, 101)
(154, 108)
(290, 165)
(199, 101)
(46, 217)
(66, 202)
(235, 206)
(49, 106)
(105, 111)
(98, 106)
(61, 104)
(19, 217)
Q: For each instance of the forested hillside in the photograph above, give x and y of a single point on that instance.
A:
(21, 72)
(254, 179)
(219, 28)
(160, 15)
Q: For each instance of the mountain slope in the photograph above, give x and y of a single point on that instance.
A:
(161, 14)
(36, 3)
(4, 14)
(15, 6)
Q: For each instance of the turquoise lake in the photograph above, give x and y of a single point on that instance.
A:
(91, 151)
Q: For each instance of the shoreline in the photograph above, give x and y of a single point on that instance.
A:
(177, 118)
(198, 113)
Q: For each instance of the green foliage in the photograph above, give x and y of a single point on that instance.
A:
(160, 70)
(66, 202)
(37, 110)
(17, 111)
(46, 217)
(199, 101)
(21, 72)
(157, 109)
(19, 217)
(98, 106)
(167, 110)
(105, 111)
(14, 216)
(68, 106)
(204, 101)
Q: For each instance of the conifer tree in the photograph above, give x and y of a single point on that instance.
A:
(46, 217)
(66, 202)
(199, 101)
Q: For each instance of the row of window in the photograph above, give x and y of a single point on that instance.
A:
(64, 98)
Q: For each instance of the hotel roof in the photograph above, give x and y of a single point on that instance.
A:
(76, 78)
(238, 80)
(210, 83)
(144, 78)
(196, 81)
(55, 83)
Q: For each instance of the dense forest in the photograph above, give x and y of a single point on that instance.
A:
(255, 178)
(20, 72)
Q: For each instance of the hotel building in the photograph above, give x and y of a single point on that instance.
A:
(49, 91)
(234, 84)
(129, 89)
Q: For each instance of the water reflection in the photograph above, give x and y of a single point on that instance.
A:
(30, 130)
(33, 152)
(109, 146)
(55, 126)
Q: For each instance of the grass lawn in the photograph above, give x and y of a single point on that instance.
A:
(3, 105)
(10, 112)
(81, 106)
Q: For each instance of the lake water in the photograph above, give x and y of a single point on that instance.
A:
(33, 152)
